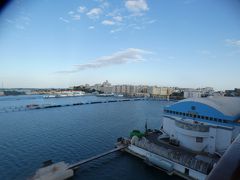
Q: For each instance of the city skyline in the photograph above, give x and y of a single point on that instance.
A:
(188, 43)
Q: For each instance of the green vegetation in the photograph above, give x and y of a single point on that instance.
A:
(85, 89)
(137, 133)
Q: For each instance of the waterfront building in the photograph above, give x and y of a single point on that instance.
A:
(203, 124)
(206, 91)
(192, 93)
(155, 91)
(194, 135)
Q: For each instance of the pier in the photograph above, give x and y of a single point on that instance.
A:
(78, 164)
(62, 170)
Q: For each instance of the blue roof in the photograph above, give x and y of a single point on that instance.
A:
(217, 107)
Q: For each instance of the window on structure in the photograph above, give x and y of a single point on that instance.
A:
(186, 171)
(219, 120)
(206, 117)
(202, 117)
(199, 139)
(198, 116)
(180, 113)
(170, 111)
(176, 112)
(211, 118)
(184, 114)
(187, 114)
(193, 107)
(225, 121)
(194, 116)
(215, 119)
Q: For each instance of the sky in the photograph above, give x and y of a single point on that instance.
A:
(62, 43)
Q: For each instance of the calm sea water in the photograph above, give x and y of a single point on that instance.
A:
(27, 138)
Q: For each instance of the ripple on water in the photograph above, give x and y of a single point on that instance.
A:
(73, 133)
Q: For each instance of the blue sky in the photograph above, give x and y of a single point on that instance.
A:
(184, 43)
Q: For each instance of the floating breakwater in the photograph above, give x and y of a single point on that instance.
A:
(47, 106)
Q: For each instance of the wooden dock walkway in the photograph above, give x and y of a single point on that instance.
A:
(78, 164)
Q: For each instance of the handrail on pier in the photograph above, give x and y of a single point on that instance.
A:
(76, 165)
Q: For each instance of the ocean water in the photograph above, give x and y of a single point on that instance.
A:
(27, 138)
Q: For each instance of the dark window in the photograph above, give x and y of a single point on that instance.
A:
(184, 114)
(176, 112)
(199, 139)
(198, 116)
(187, 114)
(193, 107)
(170, 111)
(225, 121)
(180, 113)
(194, 116)
(211, 118)
(206, 117)
(186, 171)
(219, 120)
(202, 117)
(215, 119)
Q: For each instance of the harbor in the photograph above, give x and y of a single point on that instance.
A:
(71, 134)
(171, 149)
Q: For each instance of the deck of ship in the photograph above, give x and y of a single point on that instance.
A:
(200, 162)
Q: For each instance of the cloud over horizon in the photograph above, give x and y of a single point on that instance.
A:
(94, 13)
(121, 57)
(233, 42)
(136, 6)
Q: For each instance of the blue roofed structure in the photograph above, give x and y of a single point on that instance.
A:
(211, 109)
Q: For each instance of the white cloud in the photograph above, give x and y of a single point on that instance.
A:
(233, 42)
(104, 5)
(136, 6)
(91, 27)
(94, 13)
(116, 30)
(71, 12)
(63, 20)
(82, 9)
(21, 22)
(151, 21)
(76, 17)
(121, 57)
(118, 18)
(108, 22)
